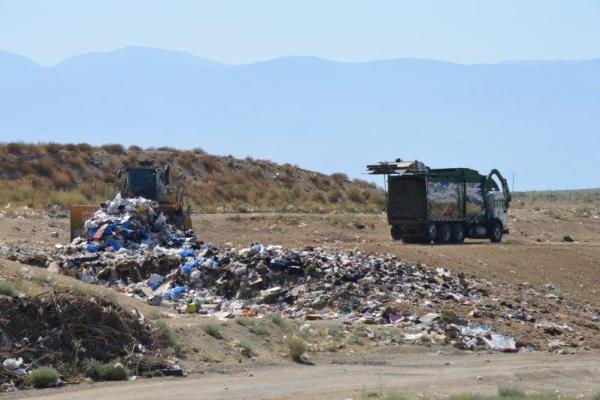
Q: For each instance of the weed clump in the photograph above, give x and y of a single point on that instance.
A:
(510, 391)
(111, 371)
(213, 330)
(43, 377)
(297, 347)
(6, 289)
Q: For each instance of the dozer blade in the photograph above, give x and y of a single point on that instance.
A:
(79, 214)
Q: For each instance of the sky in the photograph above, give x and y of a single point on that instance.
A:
(244, 31)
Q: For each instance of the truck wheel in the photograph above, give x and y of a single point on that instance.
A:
(458, 233)
(431, 233)
(395, 232)
(497, 232)
(408, 239)
(444, 233)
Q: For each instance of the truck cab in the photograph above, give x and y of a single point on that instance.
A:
(498, 209)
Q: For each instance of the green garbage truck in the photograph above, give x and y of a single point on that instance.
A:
(443, 205)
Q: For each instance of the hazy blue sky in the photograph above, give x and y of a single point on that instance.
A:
(244, 31)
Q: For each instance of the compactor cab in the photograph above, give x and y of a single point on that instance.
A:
(143, 180)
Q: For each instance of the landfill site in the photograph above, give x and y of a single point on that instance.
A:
(137, 298)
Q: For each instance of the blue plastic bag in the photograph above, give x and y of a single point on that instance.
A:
(189, 266)
(92, 247)
(114, 244)
(174, 293)
(187, 252)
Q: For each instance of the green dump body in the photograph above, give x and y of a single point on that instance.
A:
(452, 194)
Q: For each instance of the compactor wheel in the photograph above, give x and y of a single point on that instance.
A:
(431, 233)
(395, 232)
(444, 234)
(497, 232)
(458, 233)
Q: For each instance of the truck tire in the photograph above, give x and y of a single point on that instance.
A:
(496, 232)
(431, 233)
(458, 233)
(395, 232)
(408, 240)
(444, 234)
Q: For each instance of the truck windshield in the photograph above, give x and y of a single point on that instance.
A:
(141, 183)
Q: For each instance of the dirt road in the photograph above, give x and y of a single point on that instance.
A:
(342, 377)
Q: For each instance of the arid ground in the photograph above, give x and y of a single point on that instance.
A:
(533, 255)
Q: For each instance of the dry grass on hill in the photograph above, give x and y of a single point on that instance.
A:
(41, 175)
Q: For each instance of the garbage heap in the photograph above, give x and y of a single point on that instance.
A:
(128, 244)
(65, 330)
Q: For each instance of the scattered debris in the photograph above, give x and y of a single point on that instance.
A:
(129, 246)
(64, 329)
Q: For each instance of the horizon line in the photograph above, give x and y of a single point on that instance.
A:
(523, 62)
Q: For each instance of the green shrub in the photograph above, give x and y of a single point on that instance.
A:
(297, 347)
(157, 373)
(6, 289)
(247, 346)
(278, 320)
(260, 329)
(213, 330)
(167, 335)
(510, 391)
(111, 371)
(43, 377)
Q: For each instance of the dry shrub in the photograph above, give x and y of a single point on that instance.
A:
(355, 194)
(339, 178)
(319, 196)
(85, 148)
(16, 147)
(46, 166)
(335, 196)
(169, 149)
(53, 147)
(113, 148)
(288, 168)
(134, 149)
(61, 180)
(73, 160)
(21, 168)
(210, 164)
(88, 190)
(186, 159)
(128, 160)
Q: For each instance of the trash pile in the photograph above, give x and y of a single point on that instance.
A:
(64, 329)
(128, 244)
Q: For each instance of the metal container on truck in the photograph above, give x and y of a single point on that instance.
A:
(443, 205)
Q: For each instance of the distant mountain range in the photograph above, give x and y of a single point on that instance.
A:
(539, 119)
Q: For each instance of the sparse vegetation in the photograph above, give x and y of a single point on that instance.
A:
(510, 391)
(259, 328)
(278, 320)
(168, 335)
(43, 377)
(296, 347)
(110, 371)
(63, 174)
(213, 330)
(246, 346)
(157, 373)
(6, 289)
